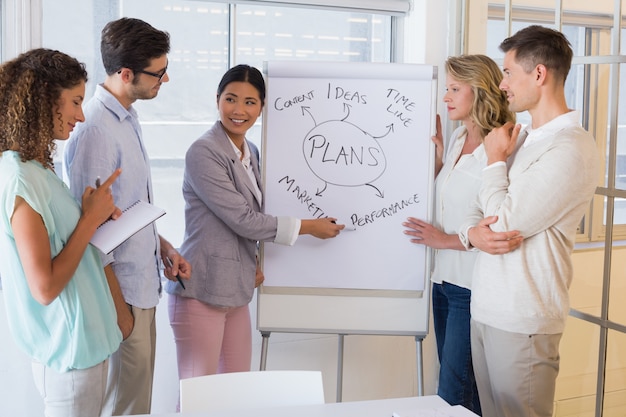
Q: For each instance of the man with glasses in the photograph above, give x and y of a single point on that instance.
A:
(134, 55)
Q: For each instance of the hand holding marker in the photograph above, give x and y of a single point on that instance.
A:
(347, 228)
(180, 281)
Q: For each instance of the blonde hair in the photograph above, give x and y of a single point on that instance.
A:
(490, 108)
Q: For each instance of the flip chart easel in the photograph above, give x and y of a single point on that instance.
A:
(349, 141)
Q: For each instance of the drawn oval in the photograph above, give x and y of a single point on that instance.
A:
(340, 153)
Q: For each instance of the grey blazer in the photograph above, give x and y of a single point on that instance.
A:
(223, 222)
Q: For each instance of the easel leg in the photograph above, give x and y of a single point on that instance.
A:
(340, 368)
(264, 345)
(420, 366)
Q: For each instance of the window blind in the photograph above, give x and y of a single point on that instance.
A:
(389, 7)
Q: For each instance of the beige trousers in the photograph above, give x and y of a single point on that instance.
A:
(515, 373)
(131, 368)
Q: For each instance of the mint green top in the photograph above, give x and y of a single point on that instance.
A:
(79, 328)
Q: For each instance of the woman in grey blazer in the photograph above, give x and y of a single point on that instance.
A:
(224, 220)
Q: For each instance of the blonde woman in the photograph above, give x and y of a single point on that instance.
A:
(474, 99)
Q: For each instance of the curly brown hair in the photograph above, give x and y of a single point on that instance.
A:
(490, 108)
(30, 87)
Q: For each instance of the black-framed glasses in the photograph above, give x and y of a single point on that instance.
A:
(159, 76)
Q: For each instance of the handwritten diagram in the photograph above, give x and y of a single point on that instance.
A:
(339, 152)
(355, 147)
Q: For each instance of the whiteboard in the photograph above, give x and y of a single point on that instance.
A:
(349, 141)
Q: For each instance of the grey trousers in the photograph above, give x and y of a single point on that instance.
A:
(75, 393)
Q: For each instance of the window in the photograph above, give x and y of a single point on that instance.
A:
(588, 89)
(582, 81)
(206, 39)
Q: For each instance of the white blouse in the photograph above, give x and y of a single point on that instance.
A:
(456, 188)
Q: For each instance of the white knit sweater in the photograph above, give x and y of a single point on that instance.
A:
(544, 195)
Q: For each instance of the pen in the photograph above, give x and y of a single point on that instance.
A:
(98, 182)
(180, 281)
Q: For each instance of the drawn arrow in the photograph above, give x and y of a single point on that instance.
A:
(306, 109)
(319, 192)
(346, 109)
(389, 130)
(378, 192)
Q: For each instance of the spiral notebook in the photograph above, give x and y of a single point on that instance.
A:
(113, 233)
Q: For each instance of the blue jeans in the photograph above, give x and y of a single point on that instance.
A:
(451, 316)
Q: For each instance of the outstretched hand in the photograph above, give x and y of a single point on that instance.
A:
(425, 233)
(321, 228)
(496, 243)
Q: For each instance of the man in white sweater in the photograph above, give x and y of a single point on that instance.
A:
(537, 185)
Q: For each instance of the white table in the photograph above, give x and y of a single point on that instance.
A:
(426, 406)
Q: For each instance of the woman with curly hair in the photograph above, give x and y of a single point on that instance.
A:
(58, 301)
(474, 98)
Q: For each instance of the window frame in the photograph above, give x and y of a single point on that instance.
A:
(592, 227)
(390, 7)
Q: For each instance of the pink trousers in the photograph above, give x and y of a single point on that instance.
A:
(209, 339)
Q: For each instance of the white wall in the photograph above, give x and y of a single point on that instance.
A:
(374, 366)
